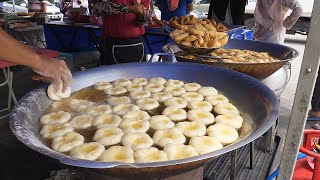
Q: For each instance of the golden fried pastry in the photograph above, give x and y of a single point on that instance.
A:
(101, 86)
(179, 151)
(52, 131)
(88, 151)
(161, 96)
(134, 126)
(203, 105)
(139, 94)
(98, 110)
(174, 91)
(134, 87)
(122, 109)
(176, 101)
(221, 27)
(175, 113)
(181, 37)
(136, 114)
(226, 108)
(224, 133)
(151, 154)
(147, 104)
(108, 136)
(115, 90)
(191, 86)
(207, 91)
(79, 105)
(140, 81)
(67, 142)
(202, 116)
(192, 96)
(232, 120)
(137, 141)
(106, 120)
(59, 117)
(153, 87)
(121, 82)
(113, 101)
(81, 122)
(184, 20)
(216, 99)
(160, 122)
(158, 80)
(168, 136)
(186, 43)
(192, 129)
(205, 144)
(118, 154)
(189, 39)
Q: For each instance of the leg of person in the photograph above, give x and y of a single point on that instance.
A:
(315, 101)
(220, 8)
(237, 8)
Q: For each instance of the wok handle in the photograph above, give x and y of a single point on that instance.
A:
(89, 164)
(171, 58)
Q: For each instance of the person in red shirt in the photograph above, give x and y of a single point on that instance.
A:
(123, 29)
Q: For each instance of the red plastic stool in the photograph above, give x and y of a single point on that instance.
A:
(311, 137)
(8, 75)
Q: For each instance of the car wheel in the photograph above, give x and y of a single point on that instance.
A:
(249, 23)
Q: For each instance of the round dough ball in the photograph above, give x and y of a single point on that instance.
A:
(157, 80)
(179, 151)
(176, 101)
(121, 82)
(134, 126)
(98, 110)
(191, 87)
(139, 94)
(136, 114)
(153, 87)
(225, 134)
(205, 144)
(207, 91)
(59, 117)
(117, 90)
(226, 108)
(113, 101)
(175, 91)
(192, 96)
(101, 86)
(151, 154)
(88, 151)
(52, 131)
(140, 81)
(174, 83)
(192, 129)
(122, 109)
(81, 122)
(203, 105)
(134, 87)
(137, 141)
(118, 154)
(51, 93)
(232, 120)
(80, 105)
(216, 99)
(161, 96)
(57, 95)
(147, 104)
(108, 136)
(201, 116)
(160, 122)
(175, 113)
(106, 120)
(168, 136)
(67, 142)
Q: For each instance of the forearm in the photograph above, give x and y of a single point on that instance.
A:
(190, 8)
(296, 8)
(105, 7)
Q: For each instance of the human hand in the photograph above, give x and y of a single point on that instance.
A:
(55, 69)
(137, 9)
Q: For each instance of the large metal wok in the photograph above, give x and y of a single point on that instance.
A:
(257, 70)
(257, 102)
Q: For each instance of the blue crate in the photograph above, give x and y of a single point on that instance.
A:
(244, 34)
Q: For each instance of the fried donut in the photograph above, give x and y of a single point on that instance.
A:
(221, 27)
(192, 20)
(185, 20)
(213, 22)
(175, 18)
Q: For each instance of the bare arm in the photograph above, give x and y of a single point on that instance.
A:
(13, 51)
(190, 7)
(296, 8)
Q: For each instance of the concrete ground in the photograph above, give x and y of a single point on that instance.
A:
(19, 162)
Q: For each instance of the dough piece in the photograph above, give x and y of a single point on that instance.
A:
(134, 87)
(205, 144)
(122, 109)
(207, 91)
(121, 82)
(81, 122)
(226, 108)
(80, 105)
(232, 120)
(139, 94)
(140, 81)
(167, 136)
(59, 117)
(113, 101)
(179, 151)
(174, 83)
(175, 113)
(158, 80)
(216, 99)
(151, 154)
(118, 154)
(192, 129)
(176, 101)
(153, 87)
(67, 142)
(136, 114)
(175, 91)
(202, 116)
(52, 131)
(160, 122)
(108, 136)
(106, 120)
(98, 110)
(225, 134)
(203, 105)
(137, 141)
(147, 104)
(192, 96)
(101, 86)
(115, 90)
(161, 96)
(191, 87)
(134, 126)
(88, 151)
(57, 95)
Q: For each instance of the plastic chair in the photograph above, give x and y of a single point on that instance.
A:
(8, 75)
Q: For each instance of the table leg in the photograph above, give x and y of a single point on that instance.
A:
(269, 139)
(251, 154)
(148, 44)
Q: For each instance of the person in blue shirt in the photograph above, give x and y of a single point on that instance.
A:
(172, 8)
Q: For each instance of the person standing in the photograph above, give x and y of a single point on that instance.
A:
(272, 19)
(123, 29)
(172, 8)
